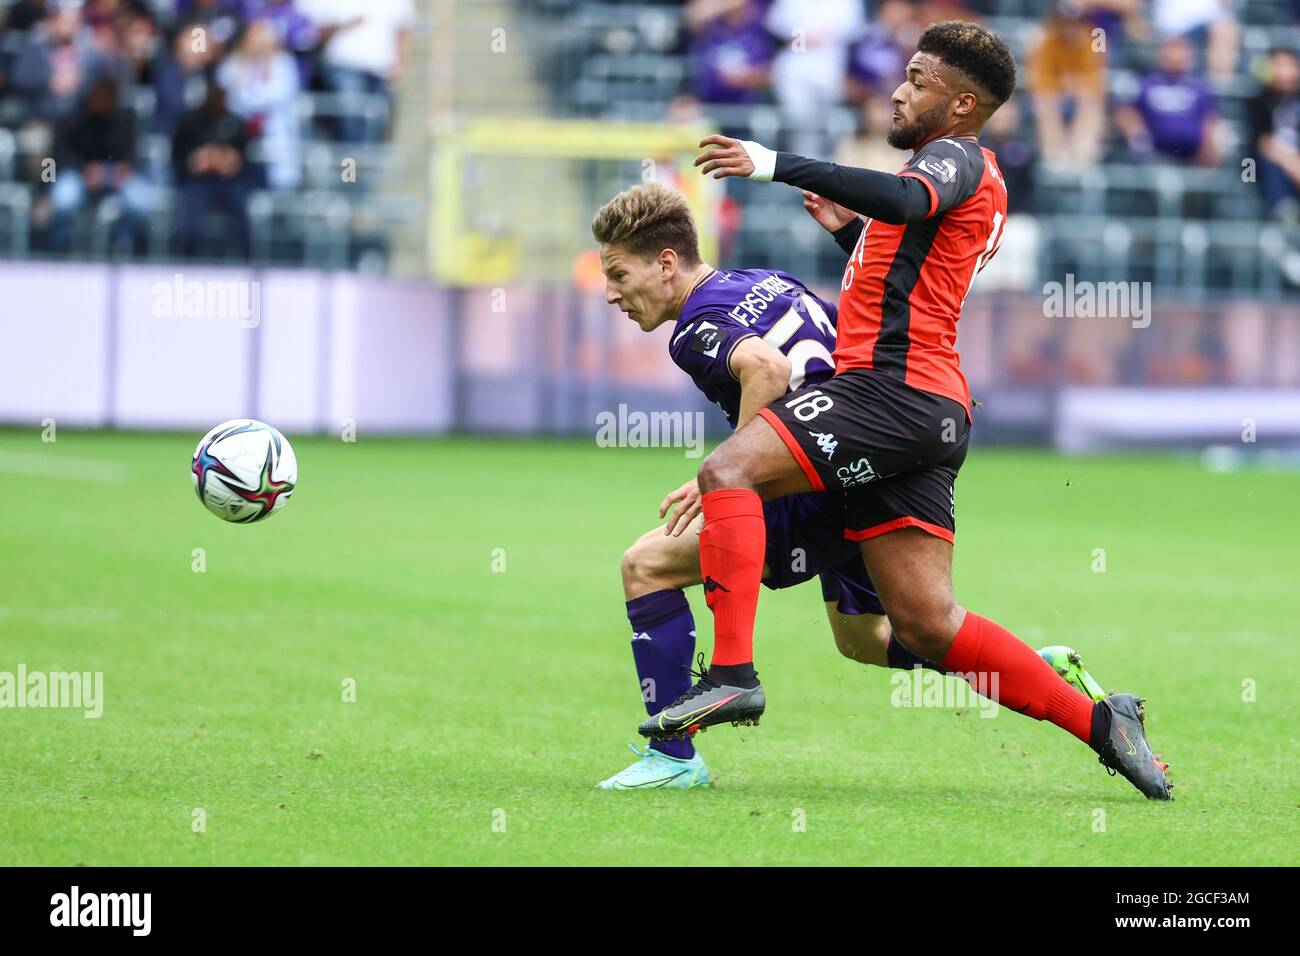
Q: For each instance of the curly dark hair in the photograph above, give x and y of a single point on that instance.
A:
(977, 53)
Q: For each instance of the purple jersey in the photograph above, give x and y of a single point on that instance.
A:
(731, 306)
(1175, 110)
(724, 48)
(876, 62)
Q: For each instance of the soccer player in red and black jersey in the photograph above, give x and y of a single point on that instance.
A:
(892, 426)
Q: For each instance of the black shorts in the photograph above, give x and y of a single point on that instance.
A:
(892, 449)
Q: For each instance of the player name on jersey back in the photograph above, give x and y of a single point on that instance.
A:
(761, 294)
(730, 306)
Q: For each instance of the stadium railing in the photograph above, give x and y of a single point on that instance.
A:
(15, 219)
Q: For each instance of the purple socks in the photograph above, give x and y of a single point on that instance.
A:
(663, 642)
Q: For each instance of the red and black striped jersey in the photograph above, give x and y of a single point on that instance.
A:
(904, 284)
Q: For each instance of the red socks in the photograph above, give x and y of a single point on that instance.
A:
(1025, 682)
(732, 545)
(731, 563)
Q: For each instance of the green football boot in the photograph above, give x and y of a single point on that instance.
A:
(1067, 662)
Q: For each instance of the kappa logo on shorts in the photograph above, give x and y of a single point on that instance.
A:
(858, 473)
(826, 442)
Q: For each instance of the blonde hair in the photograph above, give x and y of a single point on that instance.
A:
(647, 219)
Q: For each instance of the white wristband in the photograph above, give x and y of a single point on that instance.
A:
(764, 160)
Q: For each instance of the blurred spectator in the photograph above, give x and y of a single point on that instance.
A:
(102, 19)
(1174, 114)
(1275, 133)
(24, 15)
(293, 28)
(366, 45)
(219, 19)
(1015, 153)
(878, 61)
(1067, 79)
(209, 157)
(684, 110)
(100, 14)
(1119, 21)
(867, 148)
(808, 74)
(936, 11)
(95, 159)
(1208, 24)
(178, 74)
(139, 42)
(731, 51)
(1016, 262)
(261, 82)
(59, 64)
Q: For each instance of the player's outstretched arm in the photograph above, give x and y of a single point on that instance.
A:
(883, 196)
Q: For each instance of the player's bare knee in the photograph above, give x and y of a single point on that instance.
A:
(650, 565)
(640, 564)
(720, 470)
(710, 477)
(916, 640)
(883, 629)
(926, 630)
(630, 569)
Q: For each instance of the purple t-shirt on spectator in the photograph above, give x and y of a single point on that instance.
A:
(721, 48)
(1174, 109)
(185, 9)
(296, 32)
(876, 62)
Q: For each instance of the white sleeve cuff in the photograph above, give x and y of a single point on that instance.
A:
(764, 160)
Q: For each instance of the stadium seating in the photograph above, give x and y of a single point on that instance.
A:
(1200, 231)
(331, 221)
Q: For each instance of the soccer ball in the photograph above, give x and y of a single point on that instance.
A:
(244, 470)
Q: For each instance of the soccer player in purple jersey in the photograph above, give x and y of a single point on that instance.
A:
(745, 337)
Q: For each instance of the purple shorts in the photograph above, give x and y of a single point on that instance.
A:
(805, 539)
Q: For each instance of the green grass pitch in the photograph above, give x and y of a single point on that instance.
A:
(489, 702)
